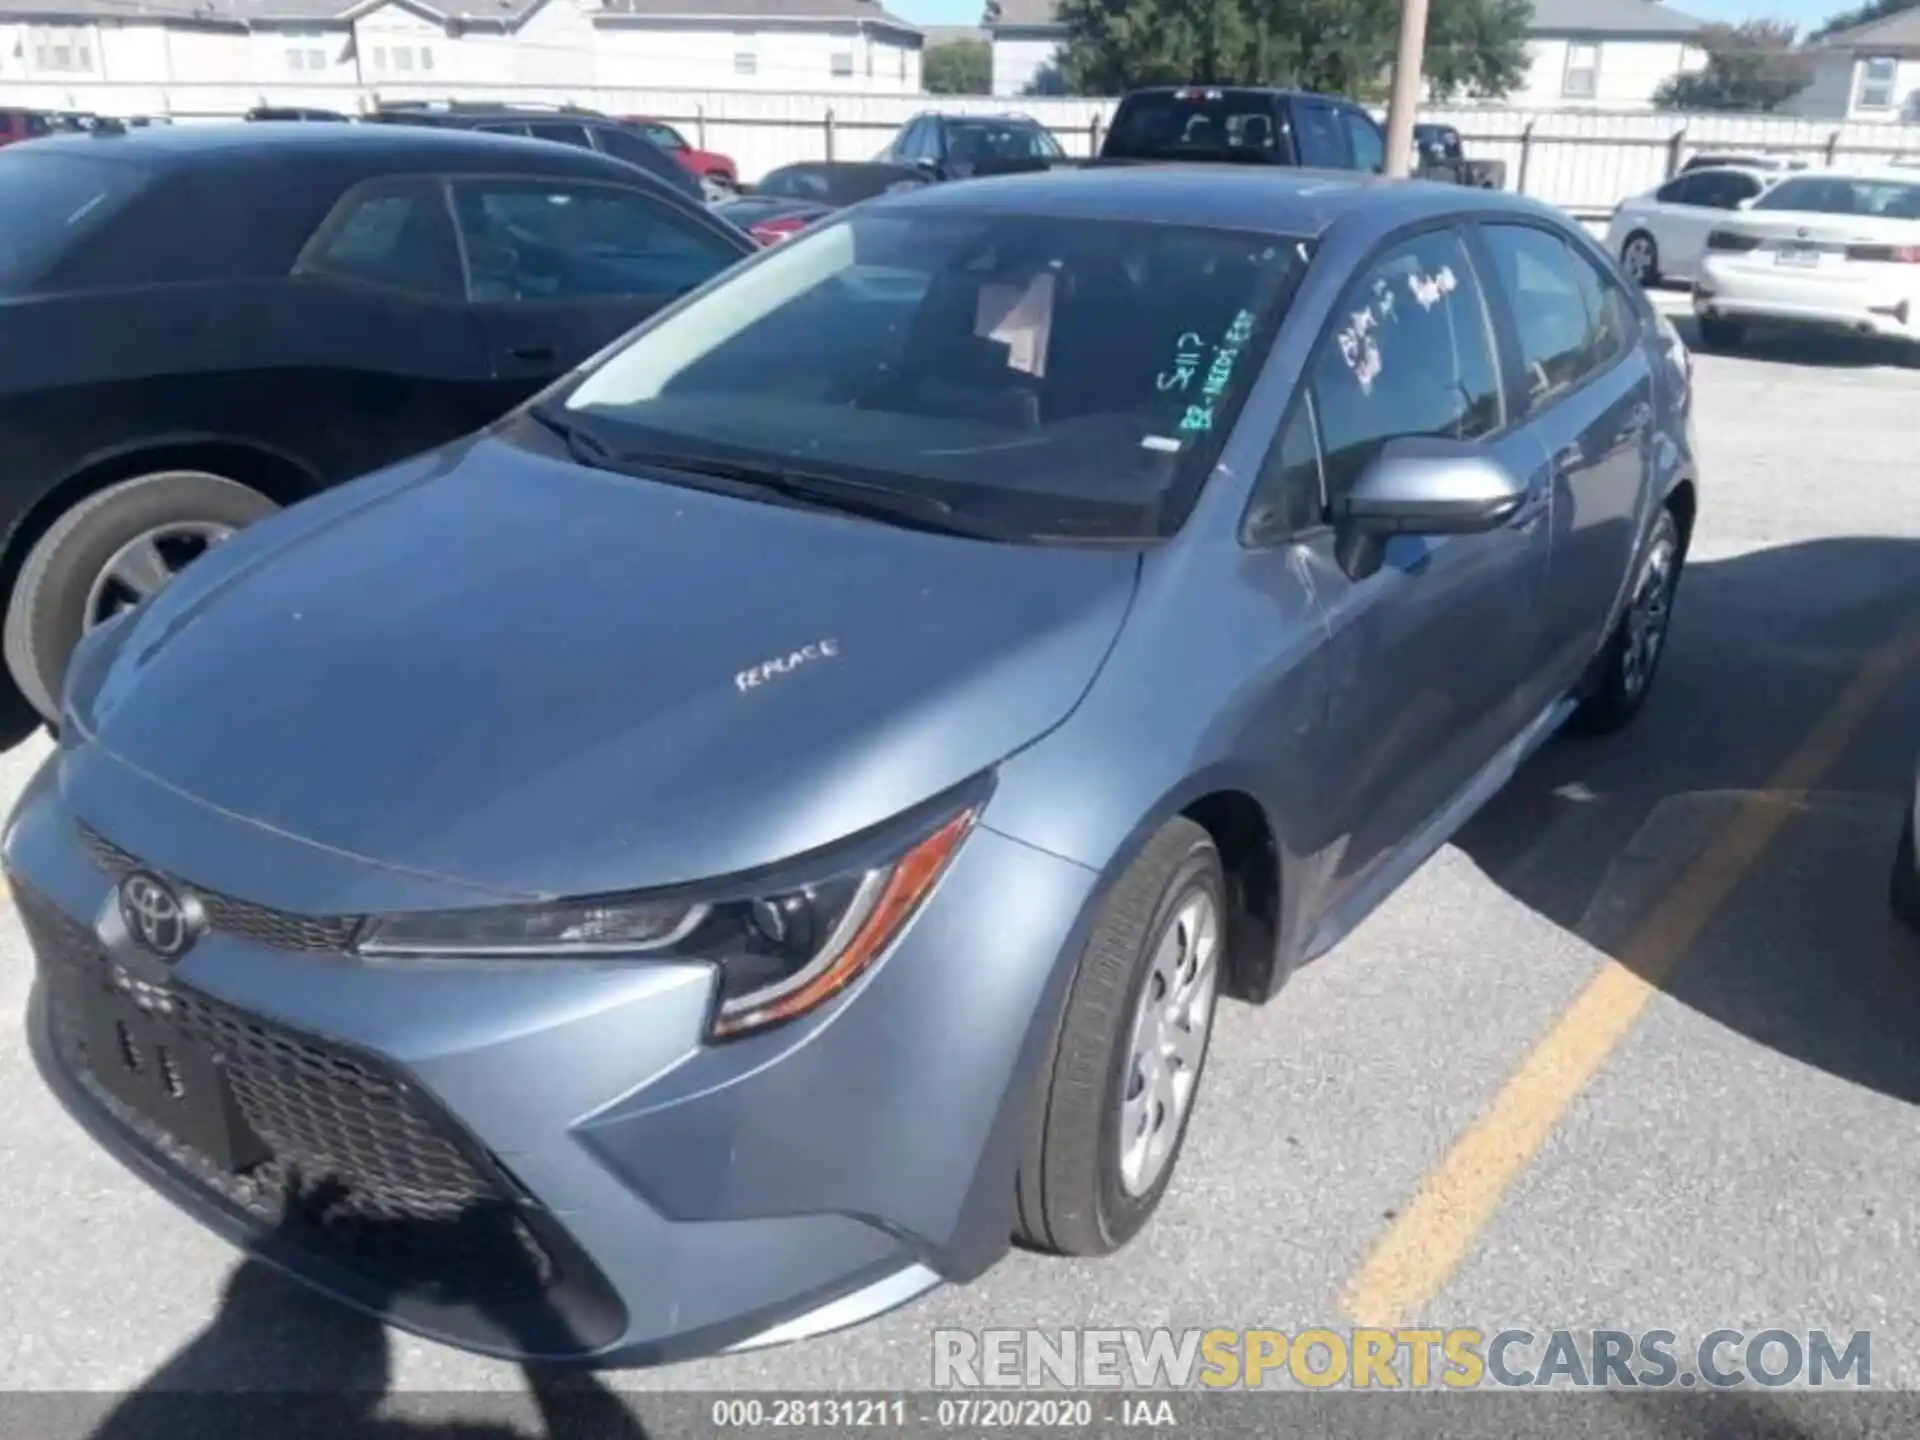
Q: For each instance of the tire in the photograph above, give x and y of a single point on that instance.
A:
(1073, 1195)
(1640, 259)
(1904, 890)
(1624, 675)
(1720, 334)
(48, 610)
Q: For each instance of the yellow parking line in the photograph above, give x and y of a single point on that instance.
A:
(1432, 1235)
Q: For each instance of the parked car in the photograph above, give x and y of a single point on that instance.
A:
(634, 882)
(564, 125)
(719, 176)
(263, 113)
(793, 197)
(207, 322)
(1716, 160)
(958, 147)
(1833, 250)
(1442, 156)
(18, 125)
(1662, 234)
(1904, 888)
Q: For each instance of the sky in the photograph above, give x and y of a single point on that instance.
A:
(1804, 13)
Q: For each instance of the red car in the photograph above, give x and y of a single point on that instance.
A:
(16, 125)
(718, 175)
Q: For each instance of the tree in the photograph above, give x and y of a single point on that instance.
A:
(1860, 15)
(1752, 66)
(957, 67)
(1474, 47)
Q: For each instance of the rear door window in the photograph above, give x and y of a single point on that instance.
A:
(49, 202)
(1549, 288)
(529, 240)
(1318, 136)
(1364, 138)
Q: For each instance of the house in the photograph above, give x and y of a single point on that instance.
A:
(452, 45)
(1866, 72)
(1600, 54)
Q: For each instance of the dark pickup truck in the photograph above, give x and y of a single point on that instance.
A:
(1255, 126)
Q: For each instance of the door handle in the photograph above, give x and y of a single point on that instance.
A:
(535, 353)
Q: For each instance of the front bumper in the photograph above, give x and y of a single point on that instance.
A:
(544, 1160)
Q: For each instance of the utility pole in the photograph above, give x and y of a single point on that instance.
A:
(1405, 100)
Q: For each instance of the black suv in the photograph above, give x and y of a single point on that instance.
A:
(955, 147)
(563, 124)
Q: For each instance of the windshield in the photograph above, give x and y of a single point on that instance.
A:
(977, 140)
(49, 196)
(1196, 124)
(1051, 377)
(1844, 195)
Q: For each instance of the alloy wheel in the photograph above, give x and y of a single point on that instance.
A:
(1647, 617)
(1168, 1040)
(144, 565)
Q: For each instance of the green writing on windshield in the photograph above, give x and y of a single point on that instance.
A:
(1226, 355)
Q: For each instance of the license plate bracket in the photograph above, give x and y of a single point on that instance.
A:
(147, 1063)
(1797, 257)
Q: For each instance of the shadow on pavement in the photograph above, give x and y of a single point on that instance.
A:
(1804, 956)
(1805, 347)
(280, 1362)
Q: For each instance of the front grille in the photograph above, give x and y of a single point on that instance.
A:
(281, 929)
(352, 1165)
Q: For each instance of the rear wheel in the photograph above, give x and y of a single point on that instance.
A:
(107, 554)
(1640, 258)
(1127, 1062)
(1717, 333)
(1626, 668)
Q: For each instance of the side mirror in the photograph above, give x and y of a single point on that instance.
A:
(1420, 485)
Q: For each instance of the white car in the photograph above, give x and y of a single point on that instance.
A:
(1662, 235)
(1833, 249)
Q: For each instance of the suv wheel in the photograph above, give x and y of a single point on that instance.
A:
(107, 554)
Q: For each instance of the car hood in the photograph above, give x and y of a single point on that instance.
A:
(512, 672)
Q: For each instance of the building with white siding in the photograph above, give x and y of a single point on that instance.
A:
(1868, 72)
(812, 45)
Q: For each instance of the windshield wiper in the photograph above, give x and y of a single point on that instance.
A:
(583, 445)
(827, 492)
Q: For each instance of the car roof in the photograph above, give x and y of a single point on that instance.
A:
(1276, 200)
(377, 148)
(1229, 90)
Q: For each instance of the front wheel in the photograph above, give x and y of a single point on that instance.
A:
(1627, 665)
(1127, 1062)
(107, 554)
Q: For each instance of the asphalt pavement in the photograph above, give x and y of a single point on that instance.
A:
(1641, 1050)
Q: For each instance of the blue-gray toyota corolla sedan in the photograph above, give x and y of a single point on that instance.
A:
(729, 847)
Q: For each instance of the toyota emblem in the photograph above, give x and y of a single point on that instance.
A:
(158, 916)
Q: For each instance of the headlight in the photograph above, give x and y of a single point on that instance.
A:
(780, 952)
